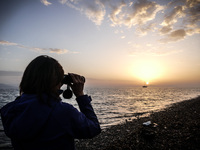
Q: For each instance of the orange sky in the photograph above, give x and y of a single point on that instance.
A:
(118, 41)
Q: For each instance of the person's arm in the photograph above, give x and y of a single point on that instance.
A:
(85, 106)
(87, 121)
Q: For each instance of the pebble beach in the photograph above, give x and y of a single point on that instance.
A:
(175, 127)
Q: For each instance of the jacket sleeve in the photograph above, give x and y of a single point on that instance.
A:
(90, 124)
(83, 124)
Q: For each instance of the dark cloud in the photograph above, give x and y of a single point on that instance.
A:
(174, 15)
(182, 20)
(165, 29)
(178, 34)
(174, 36)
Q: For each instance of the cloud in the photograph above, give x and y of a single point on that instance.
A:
(192, 31)
(58, 51)
(173, 16)
(121, 12)
(123, 37)
(141, 12)
(178, 34)
(116, 15)
(165, 29)
(36, 49)
(94, 10)
(143, 30)
(7, 43)
(143, 16)
(45, 2)
(51, 50)
(174, 36)
(181, 21)
(193, 12)
(133, 14)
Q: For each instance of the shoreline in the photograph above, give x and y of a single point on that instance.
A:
(174, 127)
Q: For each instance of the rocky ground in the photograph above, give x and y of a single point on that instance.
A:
(176, 127)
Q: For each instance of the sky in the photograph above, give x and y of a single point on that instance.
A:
(110, 42)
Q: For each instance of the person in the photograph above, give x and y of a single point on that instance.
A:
(38, 119)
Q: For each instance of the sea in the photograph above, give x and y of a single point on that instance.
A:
(117, 104)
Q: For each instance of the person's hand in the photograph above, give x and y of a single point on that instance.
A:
(78, 84)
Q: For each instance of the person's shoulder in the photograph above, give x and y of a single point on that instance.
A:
(64, 107)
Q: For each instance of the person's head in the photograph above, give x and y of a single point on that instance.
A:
(43, 75)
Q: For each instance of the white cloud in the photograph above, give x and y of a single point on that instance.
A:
(176, 16)
(122, 13)
(58, 51)
(192, 31)
(45, 2)
(132, 14)
(142, 12)
(94, 10)
(173, 16)
(116, 15)
(7, 43)
(37, 49)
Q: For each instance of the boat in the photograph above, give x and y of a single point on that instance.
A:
(145, 85)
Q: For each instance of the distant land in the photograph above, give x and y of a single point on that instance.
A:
(6, 86)
(10, 73)
(11, 80)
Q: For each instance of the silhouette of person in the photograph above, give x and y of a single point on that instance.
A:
(38, 119)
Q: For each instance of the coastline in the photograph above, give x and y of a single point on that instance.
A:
(175, 127)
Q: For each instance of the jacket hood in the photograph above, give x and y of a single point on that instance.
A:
(25, 118)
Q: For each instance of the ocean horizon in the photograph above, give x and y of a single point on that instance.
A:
(114, 105)
(118, 104)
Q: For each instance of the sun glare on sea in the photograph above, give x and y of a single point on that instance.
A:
(147, 71)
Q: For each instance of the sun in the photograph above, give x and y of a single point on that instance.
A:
(147, 70)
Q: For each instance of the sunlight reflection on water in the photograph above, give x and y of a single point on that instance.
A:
(115, 105)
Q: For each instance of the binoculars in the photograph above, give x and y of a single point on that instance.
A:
(68, 92)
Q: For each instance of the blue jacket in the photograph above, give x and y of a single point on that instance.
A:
(33, 125)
